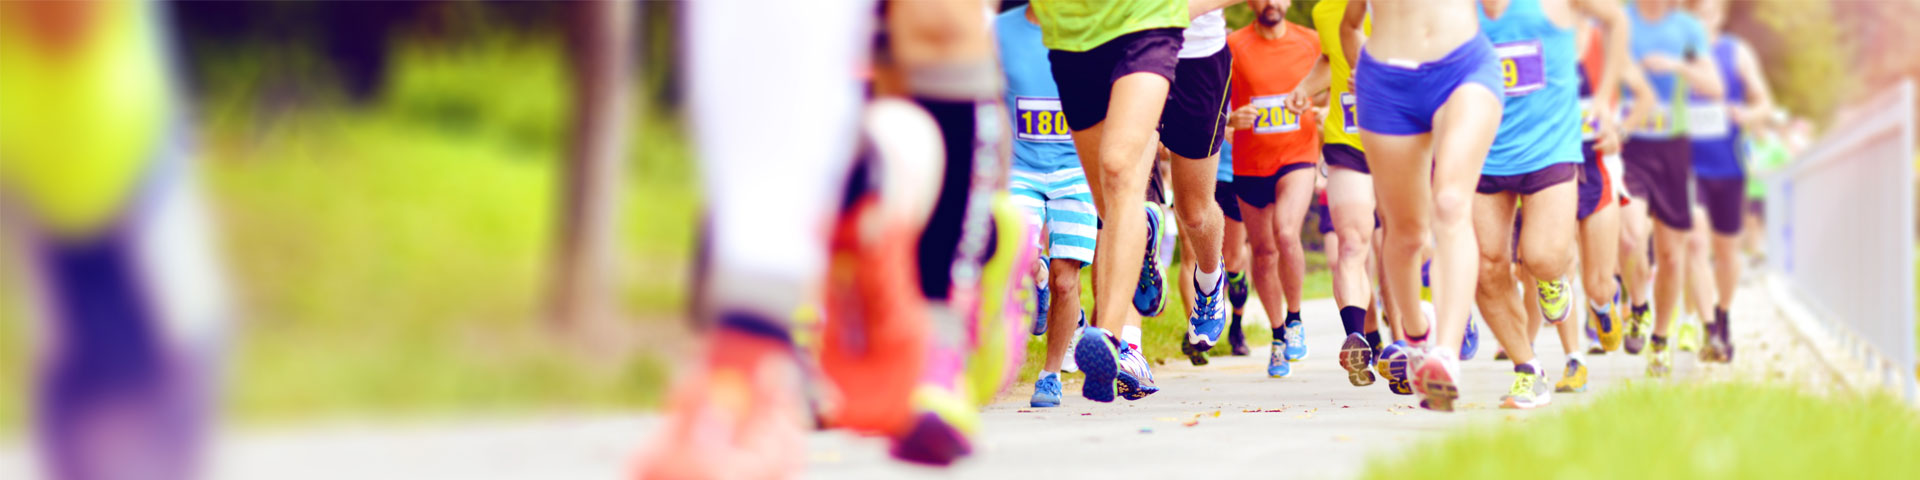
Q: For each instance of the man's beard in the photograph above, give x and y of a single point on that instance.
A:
(1270, 17)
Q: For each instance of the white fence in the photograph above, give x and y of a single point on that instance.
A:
(1840, 234)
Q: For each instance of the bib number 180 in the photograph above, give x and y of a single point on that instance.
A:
(1041, 120)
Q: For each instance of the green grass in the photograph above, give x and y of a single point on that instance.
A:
(1691, 431)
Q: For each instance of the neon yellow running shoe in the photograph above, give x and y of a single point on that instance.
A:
(1554, 302)
(1686, 336)
(1574, 380)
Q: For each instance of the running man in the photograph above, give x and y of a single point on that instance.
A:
(1114, 63)
(112, 237)
(1349, 196)
(1233, 250)
(1048, 184)
(1274, 175)
(1671, 47)
(1428, 89)
(1717, 160)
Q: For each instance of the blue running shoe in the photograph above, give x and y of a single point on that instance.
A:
(1277, 366)
(1046, 391)
(1393, 362)
(1150, 298)
(1296, 341)
(1208, 317)
(1135, 379)
(1470, 344)
(1357, 357)
(1042, 298)
(1098, 355)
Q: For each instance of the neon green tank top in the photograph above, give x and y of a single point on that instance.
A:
(1081, 25)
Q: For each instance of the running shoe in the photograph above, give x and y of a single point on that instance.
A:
(1470, 343)
(1357, 357)
(1150, 297)
(1686, 335)
(1659, 361)
(757, 432)
(1237, 338)
(1069, 364)
(1296, 334)
(1394, 361)
(1604, 331)
(1277, 366)
(1400, 387)
(1593, 341)
(1555, 301)
(1639, 325)
(1098, 355)
(1574, 380)
(1208, 317)
(1046, 391)
(1717, 349)
(1042, 298)
(1725, 344)
(1529, 389)
(1434, 380)
(1197, 357)
(1135, 378)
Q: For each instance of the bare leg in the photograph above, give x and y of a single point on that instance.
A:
(1266, 261)
(1350, 202)
(1296, 191)
(1670, 245)
(1499, 302)
(1116, 168)
(1636, 230)
(1201, 221)
(1065, 314)
(1463, 131)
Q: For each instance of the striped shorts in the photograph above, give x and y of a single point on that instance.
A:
(1061, 202)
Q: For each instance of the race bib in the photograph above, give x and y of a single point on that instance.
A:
(1040, 120)
(1522, 66)
(1348, 112)
(1274, 116)
(1658, 124)
(1589, 121)
(1708, 121)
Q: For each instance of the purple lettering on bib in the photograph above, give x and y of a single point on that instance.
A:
(1522, 66)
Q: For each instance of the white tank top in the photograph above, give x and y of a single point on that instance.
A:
(1205, 36)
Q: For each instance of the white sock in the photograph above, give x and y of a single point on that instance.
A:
(1045, 373)
(1209, 281)
(1535, 363)
(1578, 356)
(1131, 335)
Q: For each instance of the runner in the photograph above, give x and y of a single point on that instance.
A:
(110, 235)
(1672, 48)
(1429, 87)
(1718, 163)
(1349, 199)
(1049, 185)
(1274, 176)
(1234, 251)
(1115, 63)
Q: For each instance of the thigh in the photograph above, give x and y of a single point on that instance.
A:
(1463, 132)
(1402, 174)
(1350, 200)
(1549, 220)
(1295, 192)
(1493, 215)
(1260, 226)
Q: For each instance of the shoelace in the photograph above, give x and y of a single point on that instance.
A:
(1550, 291)
(1294, 332)
(1522, 385)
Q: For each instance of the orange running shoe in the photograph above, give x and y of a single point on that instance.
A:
(874, 338)
(740, 416)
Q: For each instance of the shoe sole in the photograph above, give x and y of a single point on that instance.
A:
(1399, 388)
(1437, 390)
(1101, 363)
(1355, 356)
(1509, 404)
(1042, 404)
(1131, 389)
(1579, 389)
(1387, 366)
(932, 441)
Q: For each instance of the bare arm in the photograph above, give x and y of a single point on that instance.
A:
(1351, 36)
(1196, 8)
(1759, 101)
(1643, 99)
(1311, 87)
(1703, 75)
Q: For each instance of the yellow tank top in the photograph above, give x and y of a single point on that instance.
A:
(1338, 126)
(82, 111)
(1080, 25)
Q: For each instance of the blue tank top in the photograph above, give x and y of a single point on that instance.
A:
(1041, 140)
(1541, 124)
(1717, 153)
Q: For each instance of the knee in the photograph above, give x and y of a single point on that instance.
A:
(1264, 248)
(1064, 281)
(1355, 248)
(1547, 262)
(1451, 207)
(1496, 270)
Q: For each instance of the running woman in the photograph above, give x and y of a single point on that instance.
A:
(112, 238)
(1429, 90)
(1672, 48)
(1048, 184)
(1717, 161)
(1274, 175)
(1114, 63)
(1535, 159)
(1349, 196)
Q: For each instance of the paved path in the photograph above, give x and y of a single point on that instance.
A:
(1324, 428)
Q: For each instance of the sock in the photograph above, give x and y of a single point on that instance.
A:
(1529, 368)
(1293, 317)
(1373, 338)
(1720, 317)
(1236, 322)
(1131, 335)
(1237, 295)
(1659, 343)
(1640, 309)
(1353, 318)
(1047, 373)
(1209, 282)
(1578, 356)
(1603, 308)
(1421, 339)
(1280, 334)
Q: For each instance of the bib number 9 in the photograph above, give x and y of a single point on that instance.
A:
(1522, 67)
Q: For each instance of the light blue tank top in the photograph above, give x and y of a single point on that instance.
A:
(1541, 123)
